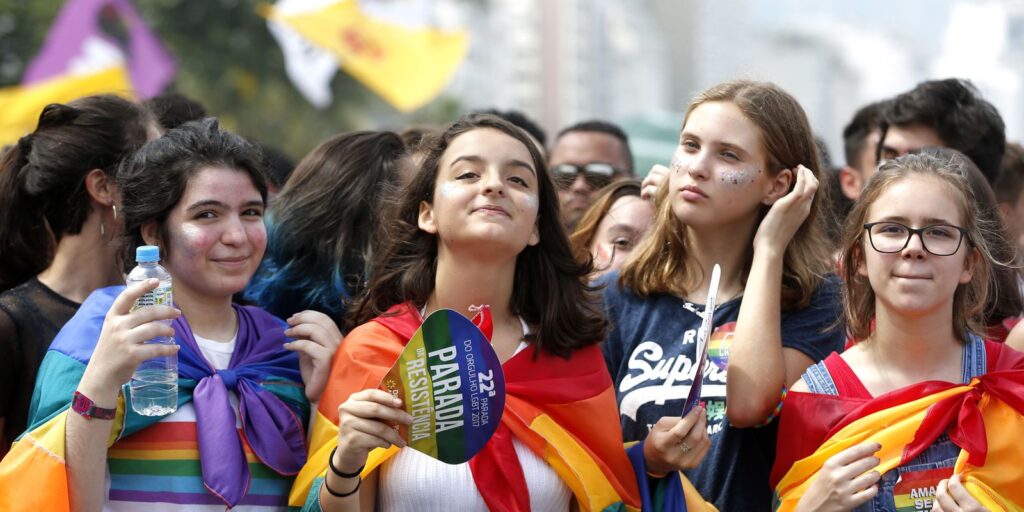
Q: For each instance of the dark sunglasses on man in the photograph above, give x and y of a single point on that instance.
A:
(596, 174)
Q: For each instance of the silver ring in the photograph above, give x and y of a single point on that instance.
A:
(685, 447)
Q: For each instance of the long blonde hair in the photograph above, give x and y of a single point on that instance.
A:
(662, 263)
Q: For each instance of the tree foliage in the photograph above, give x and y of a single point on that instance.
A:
(229, 62)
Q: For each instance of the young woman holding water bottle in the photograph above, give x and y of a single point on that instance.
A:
(238, 432)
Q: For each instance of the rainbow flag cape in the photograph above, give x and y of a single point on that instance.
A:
(563, 409)
(985, 418)
(33, 475)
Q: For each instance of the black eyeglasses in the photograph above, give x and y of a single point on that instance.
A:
(596, 174)
(938, 239)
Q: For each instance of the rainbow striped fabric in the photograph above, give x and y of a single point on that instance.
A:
(160, 464)
(985, 418)
(155, 459)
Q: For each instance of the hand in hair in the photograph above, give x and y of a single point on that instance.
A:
(846, 481)
(952, 496)
(677, 444)
(316, 340)
(122, 344)
(788, 213)
(653, 180)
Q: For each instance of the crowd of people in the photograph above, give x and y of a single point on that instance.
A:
(862, 353)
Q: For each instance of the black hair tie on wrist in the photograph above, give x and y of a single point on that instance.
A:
(342, 494)
(336, 471)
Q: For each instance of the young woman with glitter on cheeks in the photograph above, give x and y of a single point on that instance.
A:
(742, 192)
(238, 434)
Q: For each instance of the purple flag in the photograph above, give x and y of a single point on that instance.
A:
(89, 35)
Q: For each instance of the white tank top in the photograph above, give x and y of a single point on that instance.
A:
(412, 481)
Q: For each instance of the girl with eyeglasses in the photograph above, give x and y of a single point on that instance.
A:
(921, 412)
(742, 192)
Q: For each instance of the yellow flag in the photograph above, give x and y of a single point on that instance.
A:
(407, 66)
(21, 105)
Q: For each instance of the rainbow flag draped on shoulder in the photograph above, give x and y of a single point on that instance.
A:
(562, 409)
(270, 441)
(985, 418)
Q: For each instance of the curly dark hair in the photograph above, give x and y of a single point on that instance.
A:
(154, 179)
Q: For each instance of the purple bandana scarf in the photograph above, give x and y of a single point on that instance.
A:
(274, 431)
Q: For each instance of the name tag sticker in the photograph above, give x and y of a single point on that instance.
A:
(450, 381)
(915, 490)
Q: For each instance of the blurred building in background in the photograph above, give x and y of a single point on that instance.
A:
(638, 62)
(634, 62)
(835, 57)
(565, 61)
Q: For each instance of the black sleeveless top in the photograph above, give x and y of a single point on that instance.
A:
(31, 315)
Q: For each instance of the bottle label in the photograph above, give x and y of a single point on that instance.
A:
(161, 296)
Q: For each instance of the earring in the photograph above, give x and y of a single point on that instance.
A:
(114, 207)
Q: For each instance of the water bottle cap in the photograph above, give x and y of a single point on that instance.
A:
(147, 253)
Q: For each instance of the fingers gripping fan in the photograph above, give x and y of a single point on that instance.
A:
(450, 381)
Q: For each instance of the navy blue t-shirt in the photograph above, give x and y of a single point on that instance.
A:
(651, 355)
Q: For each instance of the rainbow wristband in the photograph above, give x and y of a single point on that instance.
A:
(778, 409)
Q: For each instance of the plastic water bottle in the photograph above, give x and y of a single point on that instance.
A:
(154, 386)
